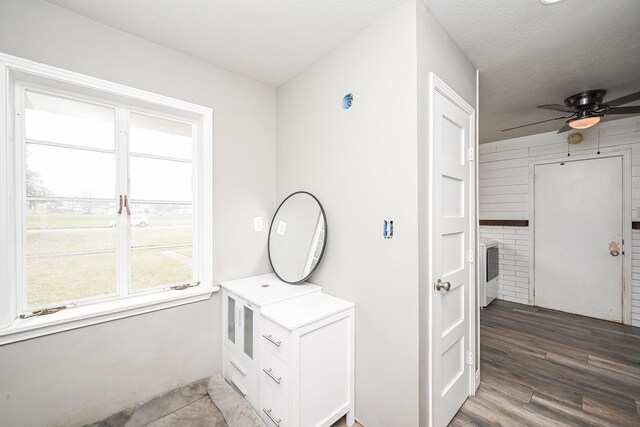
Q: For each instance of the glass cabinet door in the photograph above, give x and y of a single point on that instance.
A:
(231, 319)
(248, 331)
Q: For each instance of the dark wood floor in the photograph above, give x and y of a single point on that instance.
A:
(546, 368)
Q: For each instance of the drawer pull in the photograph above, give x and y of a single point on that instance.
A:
(235, 365)
(272, 340)
(268, 412)
(237, 387)
(268, 372)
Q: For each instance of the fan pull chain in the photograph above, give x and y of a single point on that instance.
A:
(569, 146)
(598, 139)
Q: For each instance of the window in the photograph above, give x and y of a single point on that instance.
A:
(111, 198)
(70, 188)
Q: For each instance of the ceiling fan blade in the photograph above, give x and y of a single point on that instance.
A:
(558, 107)
(624, 110)
(624, 100)
(564, 128)
(535, 123)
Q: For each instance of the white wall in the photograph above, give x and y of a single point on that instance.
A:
(361, 165)
(79, 376)
(367, 164)
(504, 189)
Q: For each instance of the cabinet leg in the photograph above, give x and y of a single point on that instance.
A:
(350, 418)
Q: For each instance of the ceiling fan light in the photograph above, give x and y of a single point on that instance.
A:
(585, 122)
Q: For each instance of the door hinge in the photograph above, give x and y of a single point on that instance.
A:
(470, 154)
(534, 178)
(470, 358)
(470, 256)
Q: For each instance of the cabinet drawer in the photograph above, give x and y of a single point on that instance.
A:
(275, 338)
(235, 365)
(275, 372)
(275, 410)
(241, 376)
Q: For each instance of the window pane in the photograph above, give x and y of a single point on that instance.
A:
(153, 179)
(67, 227)
(161, 238)
(67, 172)
(161, 224)
(54, 279)
(71, 251)
(55, 119)
(160, 137)
(151, 268)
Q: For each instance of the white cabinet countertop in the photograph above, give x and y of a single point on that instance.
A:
(253, 289)
(296, 313)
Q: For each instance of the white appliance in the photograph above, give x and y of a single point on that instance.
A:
(489, 270)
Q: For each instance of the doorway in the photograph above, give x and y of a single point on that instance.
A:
(579, 236)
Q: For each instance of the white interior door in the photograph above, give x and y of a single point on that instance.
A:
(578, 223)
(451, 228)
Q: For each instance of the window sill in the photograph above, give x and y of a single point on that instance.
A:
(78, 317)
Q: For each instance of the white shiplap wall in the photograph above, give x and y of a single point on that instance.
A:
(504, 194)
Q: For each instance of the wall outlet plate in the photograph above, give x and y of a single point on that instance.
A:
(257, 223)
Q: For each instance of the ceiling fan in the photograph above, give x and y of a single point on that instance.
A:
(587, 109)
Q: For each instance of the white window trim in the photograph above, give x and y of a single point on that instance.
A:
(13, 329)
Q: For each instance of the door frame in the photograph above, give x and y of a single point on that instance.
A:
(627, 235)
(438, 85)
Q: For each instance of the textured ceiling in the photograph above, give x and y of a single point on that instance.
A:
(530, 54)
(267, 40)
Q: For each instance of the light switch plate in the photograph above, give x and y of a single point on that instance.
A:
(257, 223)
(387, 229)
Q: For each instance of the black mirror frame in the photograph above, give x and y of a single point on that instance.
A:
(324, 246)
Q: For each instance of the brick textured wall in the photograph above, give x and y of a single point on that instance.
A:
(513, 281)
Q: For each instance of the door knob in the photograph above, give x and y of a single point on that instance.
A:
(443, 285)
(614, 248)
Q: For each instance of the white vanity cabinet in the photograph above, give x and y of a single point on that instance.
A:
(242, 302)
(307, 362)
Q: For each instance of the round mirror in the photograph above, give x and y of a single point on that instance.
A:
(297, 237)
